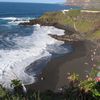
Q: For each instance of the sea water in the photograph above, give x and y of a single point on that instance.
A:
(20, 46)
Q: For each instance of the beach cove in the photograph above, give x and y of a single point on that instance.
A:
(81, 60)
(49, 54)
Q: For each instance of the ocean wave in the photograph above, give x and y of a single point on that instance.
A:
(8, 18)
(16, 20)
(38, 45)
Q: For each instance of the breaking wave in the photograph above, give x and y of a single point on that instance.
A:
(15, 20)
(29, 49)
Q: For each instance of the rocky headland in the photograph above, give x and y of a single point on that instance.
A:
(82, 31)
(78, 24)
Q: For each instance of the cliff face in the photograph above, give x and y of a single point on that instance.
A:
(85, 24)
(74, 2)
(81, 1)
(84, 3)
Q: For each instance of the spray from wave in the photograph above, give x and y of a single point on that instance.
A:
(15, 20)
(28, 49)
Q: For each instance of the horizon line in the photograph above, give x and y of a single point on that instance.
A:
(32, 2)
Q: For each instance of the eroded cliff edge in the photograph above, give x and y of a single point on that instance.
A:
(82, 30)
(78, 24)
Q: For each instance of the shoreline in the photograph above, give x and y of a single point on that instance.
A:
(54, 75)
(80, 61)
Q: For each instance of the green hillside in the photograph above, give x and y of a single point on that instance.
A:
(86, 23)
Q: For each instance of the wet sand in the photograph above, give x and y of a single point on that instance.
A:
(54, 76)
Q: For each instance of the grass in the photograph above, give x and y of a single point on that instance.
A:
(84, 22)
(74, 13)
(98, 63)
(77, 89)
(84, 26)
(94, 36)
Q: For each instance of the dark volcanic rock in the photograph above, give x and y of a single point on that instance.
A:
(70, 33)
(68, 29)
(66, 38)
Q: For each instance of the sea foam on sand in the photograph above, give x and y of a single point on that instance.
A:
(27, 50)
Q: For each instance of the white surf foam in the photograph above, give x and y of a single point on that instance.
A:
(29, 49)
(8, 18)
(16, 20)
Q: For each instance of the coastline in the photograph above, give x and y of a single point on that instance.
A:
(80, 61)
(49, 53)
(55, 73)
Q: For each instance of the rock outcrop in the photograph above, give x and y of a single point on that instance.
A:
(84, 3)
(78, 25)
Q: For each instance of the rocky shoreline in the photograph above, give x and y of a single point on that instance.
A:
(73, 32)
(68, 29)
(83, 59)
(54, 75)
(70, 36)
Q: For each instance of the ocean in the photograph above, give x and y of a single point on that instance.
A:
(20, 46)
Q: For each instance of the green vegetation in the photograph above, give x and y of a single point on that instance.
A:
(16, 83)
(91, 85)
(98, 63)
(95, 35)
(84, 26)
(76, 90)
(2, 92)
(85, 23)
(74, 13)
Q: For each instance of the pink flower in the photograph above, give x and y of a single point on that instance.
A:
(97, 79)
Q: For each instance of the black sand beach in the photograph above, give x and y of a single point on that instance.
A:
(55, 73)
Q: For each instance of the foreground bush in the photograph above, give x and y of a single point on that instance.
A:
(87, 89)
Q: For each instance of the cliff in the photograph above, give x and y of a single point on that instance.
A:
(86, 4)
(84, 24)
